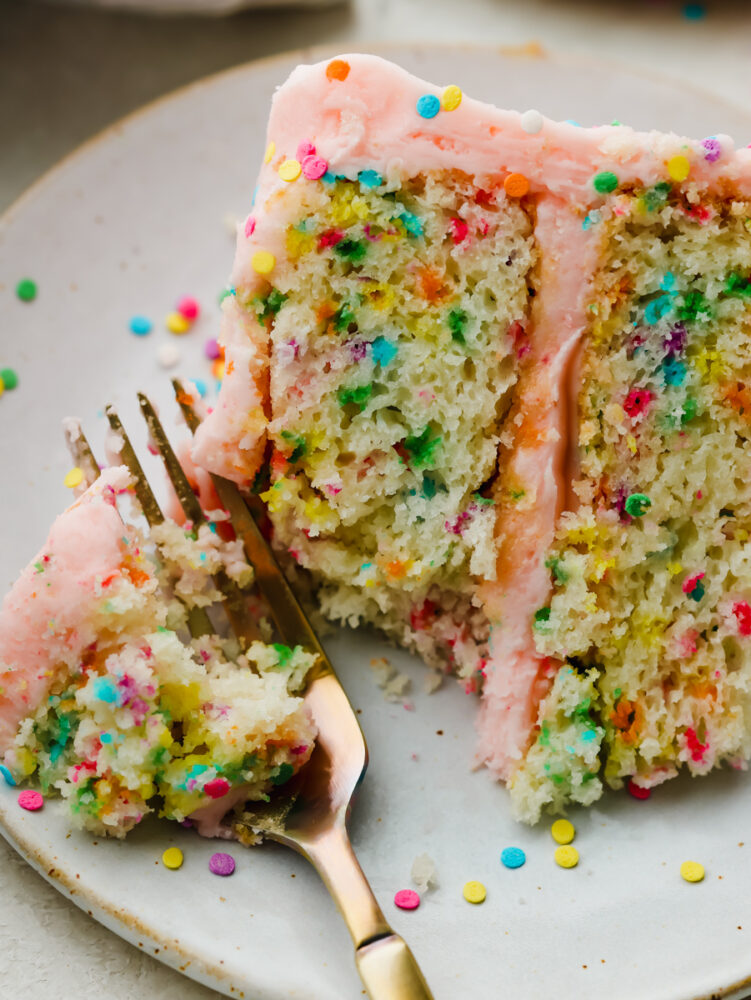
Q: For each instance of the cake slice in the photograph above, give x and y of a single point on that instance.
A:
(498, 369)
(106, 700)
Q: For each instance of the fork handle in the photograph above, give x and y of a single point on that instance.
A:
(389, 971)
(386, 965)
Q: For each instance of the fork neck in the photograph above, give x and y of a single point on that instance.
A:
(333, 858)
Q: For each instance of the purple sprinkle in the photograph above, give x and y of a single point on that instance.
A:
(221, 864)
(712, 149)
(212, 349)
(676, 339)
(358, 349)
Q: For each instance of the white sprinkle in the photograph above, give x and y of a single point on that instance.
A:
(532, 122)
(168, 355)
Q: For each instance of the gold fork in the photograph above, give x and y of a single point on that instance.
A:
(311, 814)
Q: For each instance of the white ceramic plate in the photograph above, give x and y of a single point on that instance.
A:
(126, 225)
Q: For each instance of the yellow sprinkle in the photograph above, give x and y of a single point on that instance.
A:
(172, 858)
(631, 442)
(270, 150)
(678, 167)
(451, 98)
(474, 892)
(566, 857)
(562, 831)
(263, 262)
(73, 478)
(674, 568)
(177, 323)
(692, 871)
(2, 387)
(290, 170)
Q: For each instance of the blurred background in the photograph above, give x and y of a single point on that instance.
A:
(69, 68)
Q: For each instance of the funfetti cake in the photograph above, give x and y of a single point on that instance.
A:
(498, 366)
(104, 698)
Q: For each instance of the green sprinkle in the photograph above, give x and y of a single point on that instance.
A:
(542, 615)
(269, 305)
(657, 196)
(544, 738)
(26, 290)
(457, 320)
(359, 395)
(637, 504)
(735, 284)
(605, 182)
(283, 775)
(283, 652)
(422, 447)
(300, 445)
(351, 250)
(693, 304)
(560, 574)
(9, 378)
(343, 316)
(690, 408)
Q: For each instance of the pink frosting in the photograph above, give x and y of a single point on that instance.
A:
(46, 618)
(369, 121)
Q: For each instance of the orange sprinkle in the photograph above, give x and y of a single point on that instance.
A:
(628, 717)
(516, 185)
(396, 569)
(217, 369)
(337, 69)
(431, 285)
(230, 368)
(138, 577)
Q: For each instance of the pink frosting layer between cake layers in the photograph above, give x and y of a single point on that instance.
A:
(46, 618)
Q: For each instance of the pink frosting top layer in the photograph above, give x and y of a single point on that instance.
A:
(78, 566)
(369, 121)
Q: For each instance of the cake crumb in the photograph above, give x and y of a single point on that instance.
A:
(393, 684)
(424, 873)
(433, 680)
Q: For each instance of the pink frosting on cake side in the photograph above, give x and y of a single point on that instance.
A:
(79, 564)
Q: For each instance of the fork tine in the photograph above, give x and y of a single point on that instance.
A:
(151, 509)
(80, 450)
(290, 619)
(235, 602)
(188, 500)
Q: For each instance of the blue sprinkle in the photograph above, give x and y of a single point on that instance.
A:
(588, 736)
(513, 857)
(370, 179)
(383, 351)
(105, 737)
(255, 194)
(140, 325)
(668, 282)
(105, 690)
(428, 106)
(658, 308)
(329, 178)
(570, 121)
(694, 11)
(200, 385)
(592, 219)
(673, 371)
(9, 779)
(411, 223)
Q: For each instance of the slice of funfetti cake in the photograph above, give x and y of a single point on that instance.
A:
(497, 367)
(105, 699)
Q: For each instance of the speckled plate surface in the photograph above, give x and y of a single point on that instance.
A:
(126, 225)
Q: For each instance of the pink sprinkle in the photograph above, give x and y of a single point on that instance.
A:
(638, 791)
(314, 167)
(330, 238)
(217, 788)
(637, 402)
(250, 225)
(30, 800)
(690, 582)
(407, 899)
(696, 748)
(742, 612)
(188, 307)
(459, 230)
(304, 150)
(298, 750)
(699, 494)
